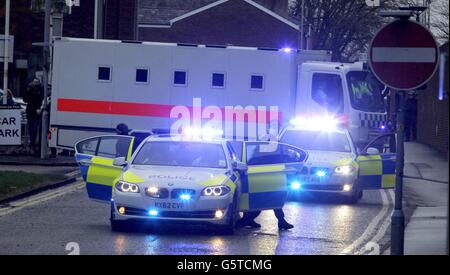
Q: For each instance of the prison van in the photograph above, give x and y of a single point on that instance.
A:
(97, 84)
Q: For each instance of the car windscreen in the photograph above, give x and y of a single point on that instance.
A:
(365, 92)
(317, 140)
(177, 153)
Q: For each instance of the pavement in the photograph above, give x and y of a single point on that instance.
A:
(426, 199)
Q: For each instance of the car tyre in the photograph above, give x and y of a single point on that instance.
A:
(355, 196)
(232, 217)
(117, 226)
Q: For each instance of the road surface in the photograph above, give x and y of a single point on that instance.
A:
(54, 223)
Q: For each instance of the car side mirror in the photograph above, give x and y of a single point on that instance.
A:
(239, 166)
(120, 161)
(372, 151)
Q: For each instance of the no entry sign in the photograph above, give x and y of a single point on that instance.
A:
(403, 55)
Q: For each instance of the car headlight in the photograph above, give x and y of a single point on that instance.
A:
(216, 191)
(345, 170)
(127, 187)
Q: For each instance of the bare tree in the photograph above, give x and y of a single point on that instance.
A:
(345, 27)
(440, 20)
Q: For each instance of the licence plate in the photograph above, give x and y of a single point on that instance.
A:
(169, 205)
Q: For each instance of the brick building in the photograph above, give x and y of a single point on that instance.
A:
(27, 27)
(224, 22)
(433, 114)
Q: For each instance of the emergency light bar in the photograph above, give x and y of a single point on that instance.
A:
(318, 123)
(206, 132)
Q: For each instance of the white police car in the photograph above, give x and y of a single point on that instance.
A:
(185, 179)
(334, 165)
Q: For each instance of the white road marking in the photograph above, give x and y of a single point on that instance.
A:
(402, 55)
(47, 195)
(383, 228)
(372, 225)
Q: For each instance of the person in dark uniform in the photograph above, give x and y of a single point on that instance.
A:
(33, 97)
(249, 220)
(122, 145)
(411, 117)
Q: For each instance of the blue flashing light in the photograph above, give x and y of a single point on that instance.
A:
(287, 50)
(153, 212)
(185, 197)
(296, 185)
(321, 173)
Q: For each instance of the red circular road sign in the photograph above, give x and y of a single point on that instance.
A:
(403, 55)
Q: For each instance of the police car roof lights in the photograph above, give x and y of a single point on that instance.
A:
(318, 123)
(206, 132)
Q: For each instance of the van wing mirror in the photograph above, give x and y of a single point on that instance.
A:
(120, 161)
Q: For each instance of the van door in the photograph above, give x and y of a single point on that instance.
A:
(95, 157)
(270, 165)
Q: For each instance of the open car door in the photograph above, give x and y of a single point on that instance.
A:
(377, 169)
(95, 157)
(270, 165)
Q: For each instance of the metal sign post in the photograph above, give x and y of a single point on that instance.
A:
(6, 52)
(398, 217)
(403, 55)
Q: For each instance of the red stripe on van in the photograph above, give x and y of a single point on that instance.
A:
(135, 109)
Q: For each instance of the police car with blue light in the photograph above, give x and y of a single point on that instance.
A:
(334, 164)
(186, 178)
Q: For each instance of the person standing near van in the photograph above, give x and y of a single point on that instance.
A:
(33, 97)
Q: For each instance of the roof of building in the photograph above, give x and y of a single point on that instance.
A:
(165, 12)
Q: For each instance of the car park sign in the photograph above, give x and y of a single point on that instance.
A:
(10, 125)
(404, 55)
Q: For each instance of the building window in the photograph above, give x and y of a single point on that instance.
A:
(257, 82)
(180, 78)
(142, 76)
(104, 73)
(218, 80)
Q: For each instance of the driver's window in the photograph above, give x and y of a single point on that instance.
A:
(88, 147)
(383, 144)
(114, 147)
(292, 154)
(275, 153)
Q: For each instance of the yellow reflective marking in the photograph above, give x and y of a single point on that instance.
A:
(102, 171)
(344, 161)
(388, 181)
(243, 202)
(265, 168)
(217, 180)
(370, 165)
(130, 150)
(267, 183)
(128, 176)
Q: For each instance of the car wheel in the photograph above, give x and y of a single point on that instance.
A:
(355, 196)
(232, 217)
(117, 226)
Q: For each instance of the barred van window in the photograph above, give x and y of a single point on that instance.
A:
(180, 78)
(142, 76)
(104, 73)
(257, 82)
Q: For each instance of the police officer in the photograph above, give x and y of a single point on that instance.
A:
(249, 220)
(122, 145)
